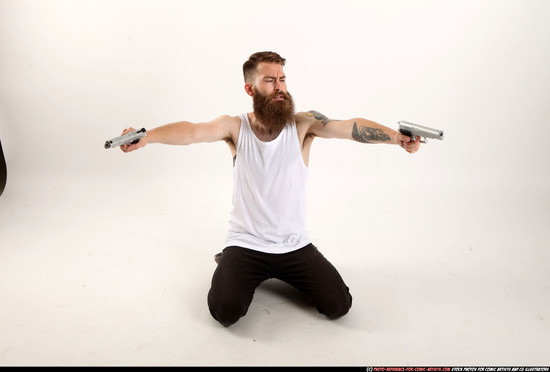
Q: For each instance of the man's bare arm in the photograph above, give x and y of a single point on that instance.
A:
(186, 133)
(357, 129)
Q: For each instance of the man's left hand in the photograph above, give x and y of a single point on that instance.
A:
(411, 146)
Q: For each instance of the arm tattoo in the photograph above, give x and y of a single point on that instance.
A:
(368, 135)
(319, 116)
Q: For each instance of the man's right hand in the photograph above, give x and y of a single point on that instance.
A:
(129, 148)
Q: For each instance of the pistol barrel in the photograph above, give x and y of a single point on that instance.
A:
(415, 130)
(128, 138)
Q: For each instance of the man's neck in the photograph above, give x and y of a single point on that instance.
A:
(263, 133)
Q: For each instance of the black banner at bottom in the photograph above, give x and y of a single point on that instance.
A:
(457, 369)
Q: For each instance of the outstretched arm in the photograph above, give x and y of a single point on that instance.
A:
(358, 129)
(186, 133)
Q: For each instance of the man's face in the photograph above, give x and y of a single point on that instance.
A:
(273, 105)
(270, 78)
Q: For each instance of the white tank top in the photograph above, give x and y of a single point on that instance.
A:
(269, 192)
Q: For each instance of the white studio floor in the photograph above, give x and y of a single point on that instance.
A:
(93, 272)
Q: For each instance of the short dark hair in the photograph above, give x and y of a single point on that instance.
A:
(249, 67)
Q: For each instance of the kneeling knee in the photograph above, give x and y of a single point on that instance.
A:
(226, 321)
(338, 313)
(227, 313)
(337, 309)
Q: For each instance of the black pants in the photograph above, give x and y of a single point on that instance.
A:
(240, 271)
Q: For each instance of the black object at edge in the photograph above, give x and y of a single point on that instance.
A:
(3, 170)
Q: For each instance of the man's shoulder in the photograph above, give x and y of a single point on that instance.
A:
(304, 120)
(230, 122)
(310, 116)
(300, 116)
(229, 119)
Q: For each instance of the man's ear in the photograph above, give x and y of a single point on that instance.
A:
(249, 89)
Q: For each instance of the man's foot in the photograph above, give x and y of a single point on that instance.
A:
(217, 257)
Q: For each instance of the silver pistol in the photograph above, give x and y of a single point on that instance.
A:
(415, 130)
(128, 138)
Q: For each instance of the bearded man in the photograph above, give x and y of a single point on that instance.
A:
(270, 148)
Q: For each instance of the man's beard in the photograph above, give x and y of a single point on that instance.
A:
(273, 115)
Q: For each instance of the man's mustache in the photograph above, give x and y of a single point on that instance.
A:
(285, 95)
(269, 97)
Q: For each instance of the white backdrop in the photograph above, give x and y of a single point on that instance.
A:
(75, 73)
